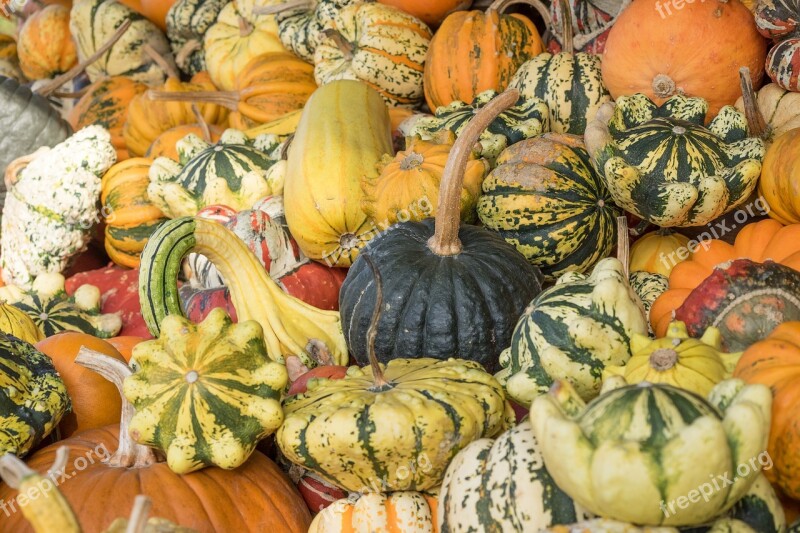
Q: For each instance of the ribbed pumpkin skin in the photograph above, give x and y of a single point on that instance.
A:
(9, 61)
(657, 252)
(779, 107)
(473, 51)
(106, 103)
(32, 400)
(503, 485)
(780, 183)
(15, 322)
(208, 501)
(398, 511)
(544, 197)
(165, 144)
(44, 45)
(388, 51)
(431, 12)
(187, 22)
(462, 306)
(131, 217)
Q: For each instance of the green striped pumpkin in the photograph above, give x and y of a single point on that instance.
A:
(206, 393)
(571, 332)
(503, 485)
(187, 22)
(32, 396)
(545, 198)
(235, 172)
(663, 165)
(528, 118)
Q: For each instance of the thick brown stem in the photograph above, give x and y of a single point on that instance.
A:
(341, 43)
(285, 6)
(139, 514)
(245, 27)
(129, 454)
(501, 5)
(755, 120)
(201, 121)
(186, 50)
(161, 61)
(72, 95)
(229, 99)
(623, 244)
(378, 378)
(567, 36)
(445, 238)
(57, 82)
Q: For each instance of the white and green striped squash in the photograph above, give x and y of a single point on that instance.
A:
(503, 485)
(648, 286)
(235, 172)
(545, 198)
(32, 396)
(663, 165)
(299, 27)
(633, 451)
(571, 331)
(528, 118)
(187, 22)
(93, 22)
(206, 393)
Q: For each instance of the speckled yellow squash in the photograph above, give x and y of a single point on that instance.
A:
(205, 393)
(17, 323)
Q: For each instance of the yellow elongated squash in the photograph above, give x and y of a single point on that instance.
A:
(343, 132)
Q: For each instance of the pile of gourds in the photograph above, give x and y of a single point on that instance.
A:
(399, 265)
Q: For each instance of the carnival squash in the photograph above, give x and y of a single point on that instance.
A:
(397, 511)
(15, 322)
(300, 23)
(777, 20)
(770, 112)
(187, 22)
(44, 45)
(591, 25)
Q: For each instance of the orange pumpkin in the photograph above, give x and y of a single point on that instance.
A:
(656, 252)
(775, 362)
(164, 145)
(156, 11)
(474, 51)
(431, 12)
(45, 45)
(661, 50)
(95, 402)
(125, 344)
(780, 178)
(758, 241)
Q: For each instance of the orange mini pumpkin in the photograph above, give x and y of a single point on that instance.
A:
(431, 12)
(780, 178)
(164, 145)
(45, 45)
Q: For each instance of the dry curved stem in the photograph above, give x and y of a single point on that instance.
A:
(70, 95)
(285, 6)
(378, 379)
(161, 61)
(227, 99)
(49, 88)
(129, 454)
(341, 43)
(567, 35)
(245, 27)
(445, 238)
(13, 470)
(139, 514)
(755, 120)
(186, 50)
(15, 168)
(501, 5)
(623, 244)
(201, 121)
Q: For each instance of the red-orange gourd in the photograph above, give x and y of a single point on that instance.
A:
(45, 45)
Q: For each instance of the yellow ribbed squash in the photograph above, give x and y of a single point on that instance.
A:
(14, 322)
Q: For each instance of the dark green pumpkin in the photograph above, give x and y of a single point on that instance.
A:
(450, 290)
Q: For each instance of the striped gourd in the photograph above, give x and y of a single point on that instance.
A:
(648, 287)
(663, 165)
(545, 198)
(633, 451)
(300, 24)
(407, 511)
(206, 393)
(233, 172)
(528, 118)
(32, 396)
(571, 331)
(15, 322)
(187, 22)
(377, 44)
(503, 485)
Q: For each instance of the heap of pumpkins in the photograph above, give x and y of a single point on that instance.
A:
(405, 265)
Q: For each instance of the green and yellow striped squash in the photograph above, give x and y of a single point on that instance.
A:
(571, 331)
(206, 393)
(343, 133)
(32, 396)
(663, 165)
(503, 485)
(648, 287)
(399, 436)
(291, 327)
(545, 198)
(378, 44)
(633, 451)
(15, 322)
(187, 22)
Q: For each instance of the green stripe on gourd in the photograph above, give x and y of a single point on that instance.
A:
(648, 286)
(187, 22)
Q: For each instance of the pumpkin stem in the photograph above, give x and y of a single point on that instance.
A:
(567, 35)
(285, 6)
(161, 61)
(755, 120)
(49, 88)
(228, 99)
(341, 43)
(139, 514)
(445, 238)
(201, 121)
(623, 244)
(378, 378)
(500, 6)
(186, 50)
(59, 463)
(663, 86)
(663, 359)
(71, 95)
(411, 160)
(13, 470)
(245, 28)
(129, 454)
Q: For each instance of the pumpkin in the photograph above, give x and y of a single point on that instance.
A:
(300, 23)
(431, 13)
(570, 83)
(105, 103)
(342, 134)
(9, 60)
(661, 164)
(138, 54)
(453, 290)
(33, 398)
(130, 216)
(527, 118)
(777, 21)
(544, 197)
(187, 22)
(779, 184)
(165, 144)
(124, 345)
(359, 434)
(694, 51)
(663, 442)
(95, 401)
(770, 112)
(398, 511)
(658, 252)
(377, 44)
(234, 172)
(758, 241)
(205, 501)
(45, 45)
(156, 11)
(15, 322)
(648, 287)
(474, 51)
(205, 393)
(235, 39)
(503, 485)
(773, 362)
(407, 185)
